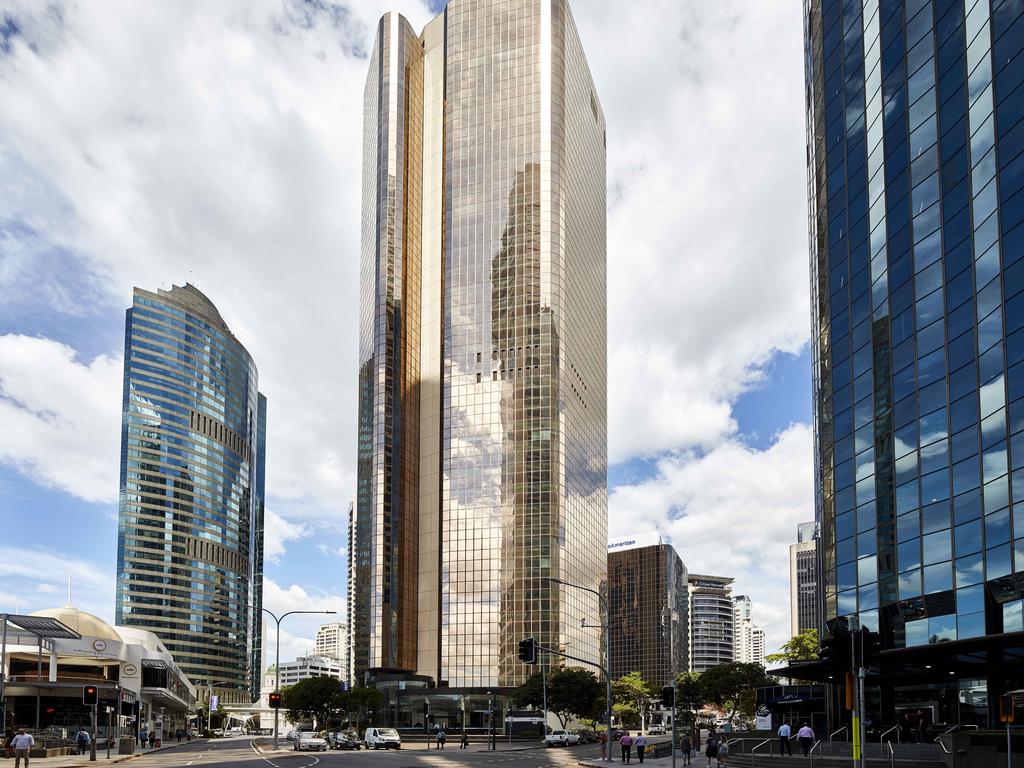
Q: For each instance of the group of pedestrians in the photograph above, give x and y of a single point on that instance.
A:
(805, 735)
(627, 742)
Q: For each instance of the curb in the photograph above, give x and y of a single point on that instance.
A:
(118, 759)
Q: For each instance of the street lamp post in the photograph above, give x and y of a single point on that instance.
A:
(277, 657)
(209, 701)
(602, 600)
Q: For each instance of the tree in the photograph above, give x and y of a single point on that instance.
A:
(626, 714)
(219, 715)
(316, 698)
(689, 695)
(726, 685)
(574, 692)
(802, 647)
(357, 702)
(530, 693)
(632, 689)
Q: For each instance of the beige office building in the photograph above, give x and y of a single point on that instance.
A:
(482, 383)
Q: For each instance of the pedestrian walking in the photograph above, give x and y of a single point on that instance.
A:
(22, 744)
(441, 738)
(641, 744)
(723, 752)
(711, 750)
(143, 737)
(806, 736)
(152, 739)
(687, 747)
(602, 739)
(625, 744)
(178, 734)
(785, 733)
(464, 744)
(83, 739)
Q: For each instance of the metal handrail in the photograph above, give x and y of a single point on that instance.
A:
(753, 756)
(886, 733)
(892, 755)
(958, 727)
(810, 754)
(833, 734)
(740, 742)
(941, 743)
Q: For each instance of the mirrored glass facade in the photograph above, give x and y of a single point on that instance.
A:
(915, 143)
(482, 443)
(190, 517)
(649, 605)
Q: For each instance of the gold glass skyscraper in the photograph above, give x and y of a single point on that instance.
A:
(482, 467)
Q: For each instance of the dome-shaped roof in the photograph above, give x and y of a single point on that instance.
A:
(83, 623)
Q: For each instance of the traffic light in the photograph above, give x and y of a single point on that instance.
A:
(275, 700)
(668, 697)
(835, 652)
(90, 695)
(528, 651)
(869, 646)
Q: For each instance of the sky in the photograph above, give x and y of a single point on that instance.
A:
(151, 144)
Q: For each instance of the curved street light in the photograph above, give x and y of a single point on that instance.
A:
(277, 657)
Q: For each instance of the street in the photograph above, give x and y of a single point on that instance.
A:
(240, 752)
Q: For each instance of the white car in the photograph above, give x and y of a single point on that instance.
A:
(309, 740)
(656, 730)
(562, 739)
(382, 738)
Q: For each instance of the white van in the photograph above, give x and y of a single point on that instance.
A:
(376, 738)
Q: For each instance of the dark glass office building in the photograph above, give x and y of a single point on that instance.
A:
(190, 524)
(916, 185)
(648, 604)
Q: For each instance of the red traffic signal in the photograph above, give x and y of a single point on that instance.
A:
(90, 695)
(275, 700)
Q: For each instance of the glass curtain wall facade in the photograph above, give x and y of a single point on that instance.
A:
(649, 609)
(482, 450)
(190, 516)
(915, 144)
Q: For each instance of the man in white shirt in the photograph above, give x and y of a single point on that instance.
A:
(22, 743)
(784, 734)
(806, 736)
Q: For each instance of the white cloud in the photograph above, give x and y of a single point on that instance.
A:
(61, 416)
(278, 532)
(37, 577)
(730, 512)
(297, 631)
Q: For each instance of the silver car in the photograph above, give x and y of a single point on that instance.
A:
(308, 740)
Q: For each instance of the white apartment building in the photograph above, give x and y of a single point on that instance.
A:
(748, 639)
(306, 667)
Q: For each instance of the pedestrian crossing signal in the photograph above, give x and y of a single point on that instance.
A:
(275, 701)
(528, 651)
(90, 695)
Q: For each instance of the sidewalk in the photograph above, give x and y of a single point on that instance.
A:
(82, 761)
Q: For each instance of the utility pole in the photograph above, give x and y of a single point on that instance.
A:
(857, 680)
(110, 728)
(674, 723)
(92, 741)
(544, 681)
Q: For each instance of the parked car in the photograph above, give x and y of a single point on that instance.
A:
(617, 734)
(292, 735)
(656, 730)
(586, 736)
(561, 739)
(386, 738)
(343, 740)
(308, 740)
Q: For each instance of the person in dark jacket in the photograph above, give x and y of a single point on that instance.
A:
(711, 750)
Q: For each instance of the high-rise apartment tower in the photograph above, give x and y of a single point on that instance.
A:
(190, 516)
(482, 384)
(712, 621)
(916, 149)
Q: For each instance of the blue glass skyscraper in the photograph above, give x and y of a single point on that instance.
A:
(915, 173)
(190, 527)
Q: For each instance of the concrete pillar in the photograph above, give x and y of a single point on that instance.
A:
(53, 667)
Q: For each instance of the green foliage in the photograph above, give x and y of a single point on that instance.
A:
(626, 714)
(318, 698)
(219, 715)
(633, 690)
(802, 647)
(690, 695)
(572, 692)
(726, 685)
(356, 703)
